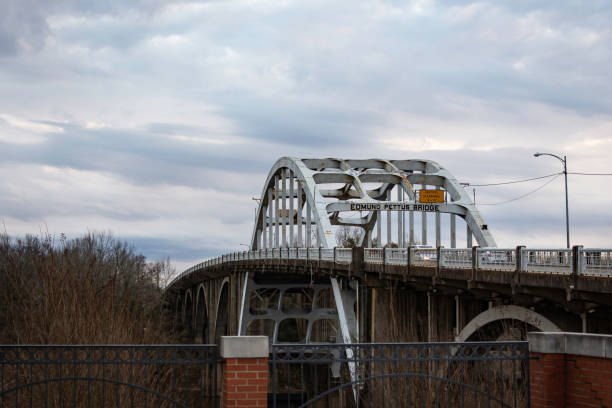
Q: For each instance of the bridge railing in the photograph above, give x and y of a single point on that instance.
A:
(596, 261)
(373, 255)
(547, 260)
(396, 256)
(424, 257)
(327, 254)
(579, 260)
(344, 255)
(501, 259)
(459, 258)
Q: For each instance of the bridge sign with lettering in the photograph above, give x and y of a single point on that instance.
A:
(431, 196)
(389, 206)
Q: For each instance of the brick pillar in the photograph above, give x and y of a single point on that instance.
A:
(547, 379)
(245, 372)
(570, 369)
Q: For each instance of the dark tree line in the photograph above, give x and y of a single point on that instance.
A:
(92, 289)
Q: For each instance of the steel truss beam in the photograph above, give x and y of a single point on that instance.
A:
(319, 207)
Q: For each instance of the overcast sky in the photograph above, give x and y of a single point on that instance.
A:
(159, 120)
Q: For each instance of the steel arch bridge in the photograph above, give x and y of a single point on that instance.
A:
(304, 199)
(297, 279)
(304, 203)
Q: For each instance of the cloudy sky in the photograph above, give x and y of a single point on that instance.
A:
(159, 120)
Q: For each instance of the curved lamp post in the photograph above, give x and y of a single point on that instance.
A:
(564, 162)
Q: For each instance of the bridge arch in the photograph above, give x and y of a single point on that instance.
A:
(292, 168)
(201, 315)
(507, 312)
(188, 313)
(325, 189)
(222, 312)
(178, 311)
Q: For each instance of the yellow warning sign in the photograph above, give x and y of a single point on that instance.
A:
(431, 196)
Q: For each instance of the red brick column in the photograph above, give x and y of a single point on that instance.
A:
(547, 380)
(589, 381)
(570, 370)
(245, 372)
(245, 382)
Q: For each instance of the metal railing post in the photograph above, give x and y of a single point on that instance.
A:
(524, 262)
(578, 264)
(319, 265)
(335, 255)
(475, 261)
(439, 262)
(408, 258)
(519, 260)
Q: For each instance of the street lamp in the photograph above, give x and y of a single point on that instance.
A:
(248, 246)
(564, 161)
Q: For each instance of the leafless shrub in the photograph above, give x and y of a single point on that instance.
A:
(90, 290)
(348, 237)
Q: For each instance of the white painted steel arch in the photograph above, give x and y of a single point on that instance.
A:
(328, 204)
(507, 312)
(313, 198)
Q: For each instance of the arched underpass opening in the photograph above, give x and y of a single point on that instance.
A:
(507, 322)
(178, 313)
(503, 330)
(201, 320)
(188, 315)
(221, 328)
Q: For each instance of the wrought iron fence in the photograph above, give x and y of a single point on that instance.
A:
(110, 375)
(483, 374)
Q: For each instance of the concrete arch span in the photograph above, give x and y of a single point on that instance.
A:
(178, 312)
(507, 312)
(221, 311)
(201, 315)
(188, 313)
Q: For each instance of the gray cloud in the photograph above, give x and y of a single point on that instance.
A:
(203, 97)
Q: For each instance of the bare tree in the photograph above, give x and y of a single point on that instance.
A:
(348, 237)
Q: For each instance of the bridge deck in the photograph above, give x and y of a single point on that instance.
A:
(554, 276)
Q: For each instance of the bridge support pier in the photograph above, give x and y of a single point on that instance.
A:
(299, 309)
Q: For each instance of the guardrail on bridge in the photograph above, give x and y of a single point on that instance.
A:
(578, 260)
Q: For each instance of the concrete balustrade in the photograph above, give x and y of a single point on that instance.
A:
(577, 261)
